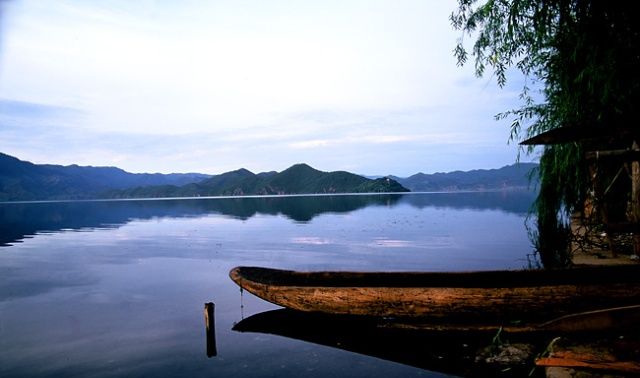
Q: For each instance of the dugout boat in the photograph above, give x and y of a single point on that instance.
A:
(497, 296)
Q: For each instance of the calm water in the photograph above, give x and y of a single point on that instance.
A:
(118, 288)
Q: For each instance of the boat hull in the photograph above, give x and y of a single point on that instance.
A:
(489, 295)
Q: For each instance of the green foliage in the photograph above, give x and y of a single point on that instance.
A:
(585, 58)
(297, 179)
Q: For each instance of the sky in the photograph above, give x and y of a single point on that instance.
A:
(370, 87)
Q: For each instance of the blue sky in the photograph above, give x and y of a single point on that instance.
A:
(210, 86)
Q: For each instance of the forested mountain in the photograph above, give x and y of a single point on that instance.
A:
(25, 181)
(515, 176)
(298, 179)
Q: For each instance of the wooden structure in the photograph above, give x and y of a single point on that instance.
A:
(607, 356)
(598, 143)
(497, 296)
(588, 134)
(210, 327)
(605, 320)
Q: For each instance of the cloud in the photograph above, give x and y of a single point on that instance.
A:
(314, 143)
(422, 139)
(400, 143)
(381, 139)
(371, 87)
(188, 72)
(24, 109)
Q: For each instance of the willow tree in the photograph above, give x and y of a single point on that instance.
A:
(583, 58)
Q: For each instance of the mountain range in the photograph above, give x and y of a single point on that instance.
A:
(25, 181)
(297, 179)
(515, 176)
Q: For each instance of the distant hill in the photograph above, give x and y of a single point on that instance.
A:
(298, 179)
(515, 176)
(25, 181)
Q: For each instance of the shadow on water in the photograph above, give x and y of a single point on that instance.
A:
(449, 352)
(22, 220)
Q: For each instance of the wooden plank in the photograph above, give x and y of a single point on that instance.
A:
(600, 320)
(621, 155)
(577, 362)
(619, 318)
(475, 279)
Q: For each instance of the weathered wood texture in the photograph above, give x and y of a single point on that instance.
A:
(606, 320)
(210, 324)
(614, 353)
(580, 362)
(617, 318)
(501, 296)
(613, 155)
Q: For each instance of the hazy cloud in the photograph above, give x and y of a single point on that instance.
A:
(192, 86)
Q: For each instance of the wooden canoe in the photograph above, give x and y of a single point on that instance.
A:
(524, 295)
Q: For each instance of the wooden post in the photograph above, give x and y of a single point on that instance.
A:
(211, 329)
(635, 198)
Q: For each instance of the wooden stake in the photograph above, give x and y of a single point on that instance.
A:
(211, 329)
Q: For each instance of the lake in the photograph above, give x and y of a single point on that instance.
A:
(117, 288)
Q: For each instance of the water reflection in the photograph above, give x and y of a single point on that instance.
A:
(515, 202)
(22, 220)
(449, 352)
(124, 296)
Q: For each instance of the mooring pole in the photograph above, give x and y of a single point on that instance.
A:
(209, 322)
